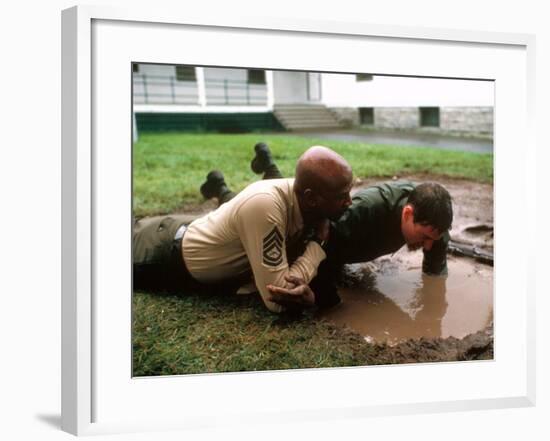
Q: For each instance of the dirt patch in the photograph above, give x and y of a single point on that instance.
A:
(198, 209)
(478, 346)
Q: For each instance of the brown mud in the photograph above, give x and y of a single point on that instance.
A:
(477, 346)
(407, 317)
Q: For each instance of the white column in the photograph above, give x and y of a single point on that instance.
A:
(270, 89)
(201, 86)
(134, 125)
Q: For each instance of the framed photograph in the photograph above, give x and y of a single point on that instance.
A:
(129, 73)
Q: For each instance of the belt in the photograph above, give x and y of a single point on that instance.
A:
(180, 232)
(176, 245)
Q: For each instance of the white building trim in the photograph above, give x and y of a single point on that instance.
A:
(180, 108)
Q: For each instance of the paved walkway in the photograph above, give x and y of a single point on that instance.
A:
(405, 139)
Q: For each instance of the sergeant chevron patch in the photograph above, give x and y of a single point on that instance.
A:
(273, 248)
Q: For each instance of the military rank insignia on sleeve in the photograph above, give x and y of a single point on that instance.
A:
(273, 248)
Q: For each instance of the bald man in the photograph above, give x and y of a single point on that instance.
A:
(246, 238)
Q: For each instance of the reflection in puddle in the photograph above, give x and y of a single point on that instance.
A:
(397, 302)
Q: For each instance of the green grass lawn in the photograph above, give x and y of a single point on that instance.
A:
(169, 168)
(204, 334)
(181, 334)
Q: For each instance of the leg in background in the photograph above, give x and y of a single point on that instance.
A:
(215, 187)
(263, 162)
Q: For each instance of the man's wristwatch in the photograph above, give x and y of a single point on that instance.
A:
(321, 242)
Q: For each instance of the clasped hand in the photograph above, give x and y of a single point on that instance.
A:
(297, 293)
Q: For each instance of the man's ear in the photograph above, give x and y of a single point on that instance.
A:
(408, 212)
(310, 198)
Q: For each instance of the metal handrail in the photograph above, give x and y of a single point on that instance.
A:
(231, 92)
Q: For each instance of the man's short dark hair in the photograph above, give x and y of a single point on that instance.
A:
(432, 206)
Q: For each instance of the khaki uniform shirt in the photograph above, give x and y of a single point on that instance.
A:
(250, 233)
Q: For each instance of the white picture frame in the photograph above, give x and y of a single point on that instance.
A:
(98, 393)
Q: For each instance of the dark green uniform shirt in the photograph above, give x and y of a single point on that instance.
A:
(371, 227)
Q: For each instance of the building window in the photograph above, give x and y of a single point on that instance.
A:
(363, 77)
(366, 115)
(256, 76)
(185, 73)
(135, 68)
(429, 116)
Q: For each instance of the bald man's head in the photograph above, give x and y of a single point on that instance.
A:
(323, 182)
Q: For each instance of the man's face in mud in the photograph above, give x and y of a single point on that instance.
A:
(417, 235)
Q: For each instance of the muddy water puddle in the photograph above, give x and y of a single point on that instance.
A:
(390, 300)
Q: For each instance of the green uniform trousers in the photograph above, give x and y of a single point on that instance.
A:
(157, 259)
(158, 263)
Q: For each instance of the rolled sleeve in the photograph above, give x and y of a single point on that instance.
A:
(261, 222)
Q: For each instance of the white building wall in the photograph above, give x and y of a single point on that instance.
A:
(396, 117)
(465, 105)
(289, 87)
(157, 69)
(342, 90)
(220, 73)
(467, 119)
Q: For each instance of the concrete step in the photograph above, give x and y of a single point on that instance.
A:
(300, 116)
(312, 120)
(309, 122)
(299, 106)
(305, 115)
(299, 111)
(311, 125)
(306, 108)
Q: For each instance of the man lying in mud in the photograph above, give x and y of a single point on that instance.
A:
(381, 219)
(244, 239)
